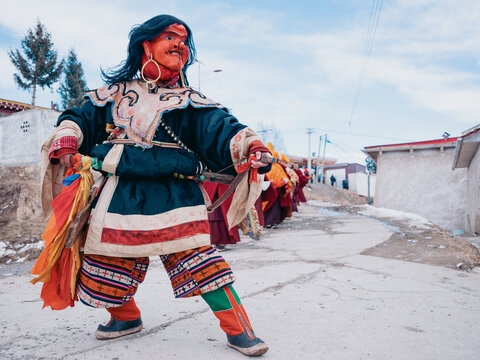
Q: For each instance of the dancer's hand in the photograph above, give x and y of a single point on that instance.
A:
(258, 163)
(66, 160)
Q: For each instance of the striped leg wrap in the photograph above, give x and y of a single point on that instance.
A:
(108, 281)
(197, 271)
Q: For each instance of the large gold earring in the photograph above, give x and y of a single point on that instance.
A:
(151, 84)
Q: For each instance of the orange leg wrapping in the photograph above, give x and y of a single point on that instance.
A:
(126, 312)
(230, 312)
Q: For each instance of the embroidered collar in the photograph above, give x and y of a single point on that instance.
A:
(139, 112)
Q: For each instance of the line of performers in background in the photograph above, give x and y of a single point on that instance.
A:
(281, 195)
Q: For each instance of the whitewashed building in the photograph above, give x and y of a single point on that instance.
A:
(358, 178)
(22, 135)
(467, 157)
(417, 177)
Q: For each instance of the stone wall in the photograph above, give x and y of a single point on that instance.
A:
(21, 217)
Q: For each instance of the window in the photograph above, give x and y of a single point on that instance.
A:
(25, 125)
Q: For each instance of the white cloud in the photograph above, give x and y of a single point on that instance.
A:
(295, 80)
(411, 59)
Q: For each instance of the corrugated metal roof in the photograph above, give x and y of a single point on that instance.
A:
(467, 147)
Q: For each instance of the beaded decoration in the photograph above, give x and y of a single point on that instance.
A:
(175, 138)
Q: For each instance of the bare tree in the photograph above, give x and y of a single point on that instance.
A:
(270, 133)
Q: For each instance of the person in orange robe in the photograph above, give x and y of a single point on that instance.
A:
(281, 206)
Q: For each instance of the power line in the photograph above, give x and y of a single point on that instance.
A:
(292, 130)
(364, 135)
(373, 31)
(367, 50)
(334, 143)
(309, 132)
(370, 22)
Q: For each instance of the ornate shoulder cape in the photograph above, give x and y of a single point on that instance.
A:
(135, 115)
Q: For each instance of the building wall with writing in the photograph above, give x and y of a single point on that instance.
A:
(22, 135)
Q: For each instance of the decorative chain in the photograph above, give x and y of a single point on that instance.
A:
(175, 138)
(201, 168)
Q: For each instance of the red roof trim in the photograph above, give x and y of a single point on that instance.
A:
(427, 142)
(15, 105)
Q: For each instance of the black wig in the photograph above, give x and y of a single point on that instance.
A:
(128, 69)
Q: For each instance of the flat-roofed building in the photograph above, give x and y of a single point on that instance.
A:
(417, 177)
(467, 157)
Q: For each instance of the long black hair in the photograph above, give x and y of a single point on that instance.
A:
(128, 69)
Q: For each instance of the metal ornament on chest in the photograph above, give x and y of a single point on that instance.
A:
(174, 137)
(202, 167)
(152, 88)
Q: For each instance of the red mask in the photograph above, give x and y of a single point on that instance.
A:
(170, 52)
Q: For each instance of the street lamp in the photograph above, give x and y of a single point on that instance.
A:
(200, 70)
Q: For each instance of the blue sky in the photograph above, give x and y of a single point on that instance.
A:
(293, 65)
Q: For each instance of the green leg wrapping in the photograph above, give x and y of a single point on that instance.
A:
(218, 299)
(227, 307)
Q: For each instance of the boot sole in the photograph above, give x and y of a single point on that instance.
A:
(102, 335)
(256, 350)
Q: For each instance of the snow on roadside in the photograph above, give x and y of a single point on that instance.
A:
(18, 250)
(4, 251)
(412, 219)
(378, 212)
(321, 203)
(25, 247)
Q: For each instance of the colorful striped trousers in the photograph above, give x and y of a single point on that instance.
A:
(111, 283)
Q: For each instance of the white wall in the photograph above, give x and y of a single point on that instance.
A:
(473, 194)
(22, 135)
(423, 182)
(339, 175)
(358, 183)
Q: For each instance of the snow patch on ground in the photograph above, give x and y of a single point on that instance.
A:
(6, 206)
(376, 212)
(21, 251)
(21, 259)
(320, 203)
(4, 251)
(25, 247)
(412, 219)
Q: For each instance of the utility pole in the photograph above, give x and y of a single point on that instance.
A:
(318, 156)
(368, 181)
(199, 71)
(309, 131)
(323, 161)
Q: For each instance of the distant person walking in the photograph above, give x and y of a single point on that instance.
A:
(307, 175)
(345, 184)
(333, 180)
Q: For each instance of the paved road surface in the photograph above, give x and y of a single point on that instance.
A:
(309, 294)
